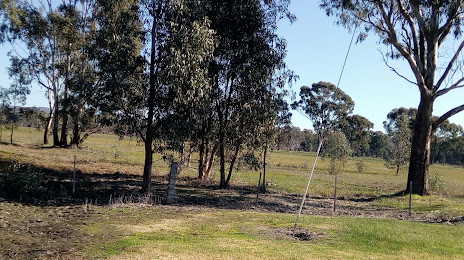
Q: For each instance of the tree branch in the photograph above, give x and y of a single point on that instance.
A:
(403, 51)
(43, 84)
(446, 28)
(420, 19)
(448, 68)
(397, 73)
(414, 36)
(445, 116)
(446, 90)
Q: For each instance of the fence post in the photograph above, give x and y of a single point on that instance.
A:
(410, 197)
(172, 183)
(74, 177)
(335, 193)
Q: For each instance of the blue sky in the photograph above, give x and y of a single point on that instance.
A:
(316, 51)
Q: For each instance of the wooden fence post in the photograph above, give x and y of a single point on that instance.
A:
(335, 193)
(74, 177)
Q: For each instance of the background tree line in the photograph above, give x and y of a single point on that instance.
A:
(394, 145)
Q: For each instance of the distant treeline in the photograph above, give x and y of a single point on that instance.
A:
(447, 145)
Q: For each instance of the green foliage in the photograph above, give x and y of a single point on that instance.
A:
(435, 181)
(338, 150)
(325, 105)
(398, 127)
(357, 130)
(26, 183)
(378, 144)
(447, 144)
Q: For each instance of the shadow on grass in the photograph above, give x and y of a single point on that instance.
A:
(29, 184)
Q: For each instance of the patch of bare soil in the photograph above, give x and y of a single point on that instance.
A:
(36, 232)
(286, 233)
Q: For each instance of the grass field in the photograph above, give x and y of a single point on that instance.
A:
(207, 223)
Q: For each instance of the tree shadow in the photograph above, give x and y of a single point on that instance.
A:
(29, 184)
(33, 185)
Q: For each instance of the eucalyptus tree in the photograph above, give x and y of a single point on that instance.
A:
(246, 59)
(325, 105)
(337, 149)
(357, 130)
(399, 127)
(398, 150)
(4, 106)
(28, 27)
(415, 31)
(180, 47)
(18, 90)
(442, 146)
(378, 144)
(120, 64)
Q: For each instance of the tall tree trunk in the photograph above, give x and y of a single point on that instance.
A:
(147, 168)
(210, 162)
(264, 169)
(420, 149)
(12, 131)
(48, 126)
(148, 164)
(232, 163)
(64, 127)
(182, 162)
(189, 156)
(201, 155)
(76, 137)
(56, 140)
(222, 159)
(51, 114)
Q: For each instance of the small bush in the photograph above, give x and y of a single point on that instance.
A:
(360, 166)
(26, 183)
(436, 182)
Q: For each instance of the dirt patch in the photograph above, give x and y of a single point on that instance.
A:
(286, 233)
(36, 232)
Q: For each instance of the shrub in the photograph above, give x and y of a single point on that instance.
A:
(436, 182)
(337, 149)
(361, 166)
(26, 183)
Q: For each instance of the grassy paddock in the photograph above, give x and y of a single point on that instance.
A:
(206, 233)
(287, 172)
(223, 234)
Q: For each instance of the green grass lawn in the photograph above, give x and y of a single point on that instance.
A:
(153, 232)
(223, 234)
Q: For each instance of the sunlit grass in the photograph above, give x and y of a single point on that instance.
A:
(222, 234)
(200, 233)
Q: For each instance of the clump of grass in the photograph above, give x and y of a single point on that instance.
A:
(137, 200)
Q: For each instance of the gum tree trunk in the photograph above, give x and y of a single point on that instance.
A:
(420, 149)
